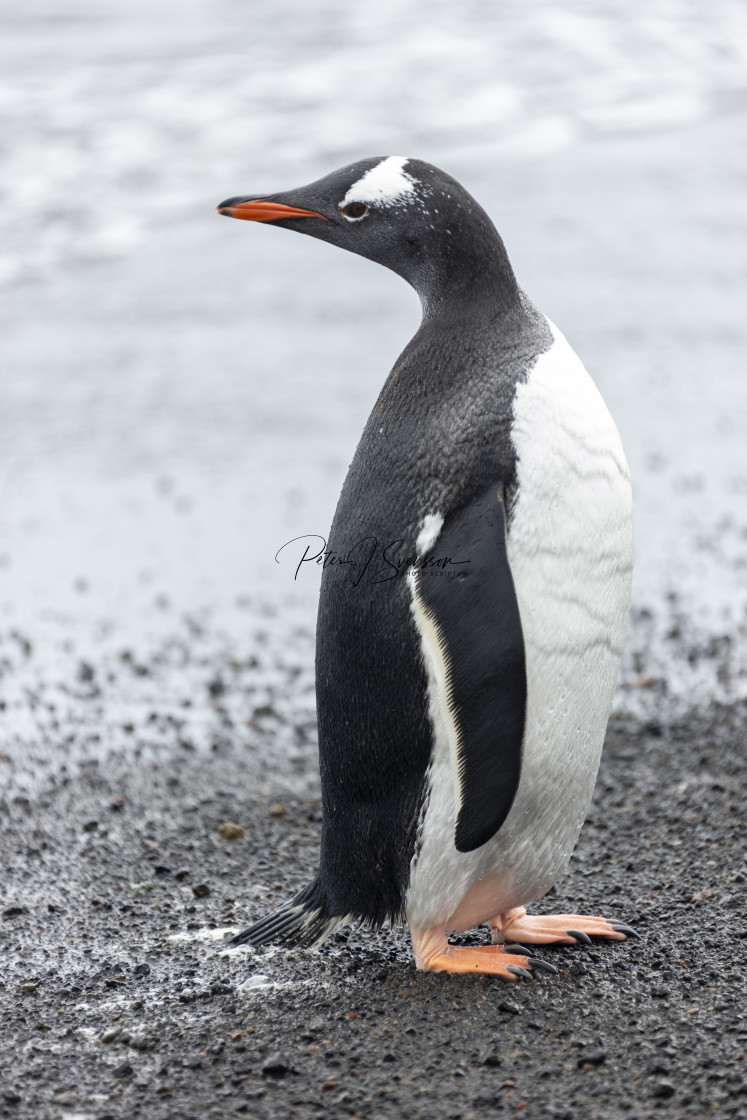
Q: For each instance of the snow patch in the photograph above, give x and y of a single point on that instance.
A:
(204, 934)
(253, 983)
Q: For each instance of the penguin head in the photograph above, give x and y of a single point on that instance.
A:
(402, 213)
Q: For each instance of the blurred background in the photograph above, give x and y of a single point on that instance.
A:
(181, 395)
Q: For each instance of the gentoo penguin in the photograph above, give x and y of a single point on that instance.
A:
(469, 641)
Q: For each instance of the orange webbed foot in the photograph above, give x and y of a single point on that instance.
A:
(548, 929)
(433, 953)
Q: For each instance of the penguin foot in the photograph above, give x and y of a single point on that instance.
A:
(547, 929)
(434, 954)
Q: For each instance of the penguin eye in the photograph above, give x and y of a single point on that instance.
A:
(355, 211)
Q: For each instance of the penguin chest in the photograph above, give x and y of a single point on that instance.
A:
(569, 548)
(571, 554)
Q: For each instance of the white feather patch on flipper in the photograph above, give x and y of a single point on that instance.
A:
(433, 523)
(438, 669)
(383, 185)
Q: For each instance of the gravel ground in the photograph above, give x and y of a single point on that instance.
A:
(120, 999)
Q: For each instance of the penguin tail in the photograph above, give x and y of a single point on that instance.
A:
(304, 921)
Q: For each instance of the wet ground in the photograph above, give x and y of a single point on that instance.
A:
(119, 998)
(181, 396)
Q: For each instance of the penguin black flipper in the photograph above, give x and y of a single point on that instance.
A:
(474, 615)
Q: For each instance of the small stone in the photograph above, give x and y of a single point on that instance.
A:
(11, 1096)
(661, 992)
(86, 672)
(141, 970)
(140, 1040)
(229, 830)
(137, 890)
(111, 1035)
(490, 1057)
(122, 1072)
(67, 1099)
(327, 1086)
(14, 911)
(90, 826)
(664, 1089)
(701, 896)
(276, 809)
(276, 1065)
(201, 890)
(508, 1007)
(591, 1058)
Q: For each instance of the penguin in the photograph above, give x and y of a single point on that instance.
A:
(469, 636)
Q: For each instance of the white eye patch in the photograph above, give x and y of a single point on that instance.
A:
(383, 185)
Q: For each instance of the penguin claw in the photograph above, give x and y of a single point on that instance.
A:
(543, 966)
(517, 970)
(579, 936)
(517, 950)
(620, 927)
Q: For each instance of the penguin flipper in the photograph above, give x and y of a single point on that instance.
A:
(474, 615)
(302, 921)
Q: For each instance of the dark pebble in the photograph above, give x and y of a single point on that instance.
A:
(201, 890)
(275, 1066)
(14, 911)
(592, 1058)
(664, 1089)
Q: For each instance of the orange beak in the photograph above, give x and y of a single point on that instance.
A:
(255, 210)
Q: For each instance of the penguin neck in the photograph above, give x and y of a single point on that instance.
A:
(467, 282)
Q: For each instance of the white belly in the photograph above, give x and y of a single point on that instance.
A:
(570, 548)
